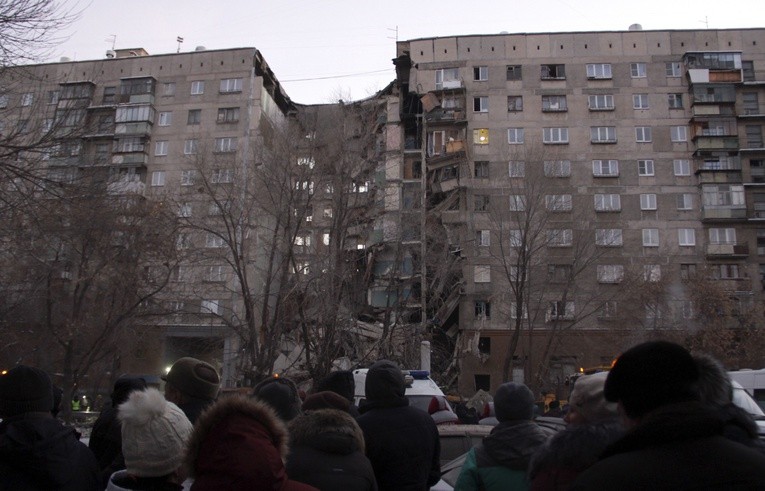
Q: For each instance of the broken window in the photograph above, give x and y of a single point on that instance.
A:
(553, 72)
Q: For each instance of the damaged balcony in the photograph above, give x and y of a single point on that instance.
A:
(448, 108)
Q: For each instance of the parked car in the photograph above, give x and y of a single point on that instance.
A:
(753, 381)
(742, 399)
(421, 391)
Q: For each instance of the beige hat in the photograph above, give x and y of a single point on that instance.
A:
(154, 434)
(588, 399)
(194, 377)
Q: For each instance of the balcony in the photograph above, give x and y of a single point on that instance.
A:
(727, 250)
(718, 164)
(715, 142)
(444, 115)
(126, 186)
(723, 213)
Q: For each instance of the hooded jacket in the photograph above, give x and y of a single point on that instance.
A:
(327, 451)
(38, 453)
(240, 444)
(402, 441)
(678, 447)
(500, 462)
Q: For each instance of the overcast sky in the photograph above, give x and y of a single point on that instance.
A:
(322, 49)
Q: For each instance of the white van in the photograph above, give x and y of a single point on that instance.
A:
(753, 381)
(421, 391)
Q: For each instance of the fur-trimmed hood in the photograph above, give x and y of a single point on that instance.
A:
(330, 430)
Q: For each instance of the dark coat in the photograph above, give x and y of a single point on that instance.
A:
(327, 451)
(501, 460)
(569, 452)
(239, 444)
(402, 441)
(193, 408)
(677, 447)
(38, 453)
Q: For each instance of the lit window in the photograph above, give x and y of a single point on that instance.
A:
(481, 136)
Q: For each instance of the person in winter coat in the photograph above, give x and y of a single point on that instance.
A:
(281, 394)
(593, 424)
(341, 382)
(37, 452)
(192, 385)
(106, 435)
(327, 451)
(240, 444)
(716, 389)
(501, 460)
(672, 441)
(402, 441)
(154, 436)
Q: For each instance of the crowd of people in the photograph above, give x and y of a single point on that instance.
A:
(661, 418)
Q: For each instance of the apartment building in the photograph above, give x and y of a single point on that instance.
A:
(590, 176)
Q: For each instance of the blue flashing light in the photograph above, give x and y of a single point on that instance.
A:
(419, 374)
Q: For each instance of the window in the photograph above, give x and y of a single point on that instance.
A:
(672, 69)
(687, 271)
(747, 66)
(561, 310)
(482, 310)
(168, 88)
(222, 176)
(190, 147)
(482, 238)
(553, 72)
(604, 102)
(682, 167)
(228, 85)
(719, 236)
(725, 271)
(210, 307)
(184, 210)
(303, 239)
(558, 202)
(27, 99)
(482, 274)
(559, 237)
(685, 201)
(651, 237)
(188, 177)
(643, 134)
(608, 202)
(608, 237)
(555, 135)
(639, 101)
(130, 144)
(753, 136)
(651, 272)
(516, 169)
(225, 145)
(514, 72)
(599, 70)
(678, 133)
(686, 237)
(514, 103)
(304, 186)
(603, 134)
(481, 136)
(195, 117)
(228, 115)
(165, 118)
(481, 104)
(160, 148)
(515, 136)
(53, 96)
(327, 212)
(481, 202)
(750, 103)
(645, 167)
(605, 168)
(675, 101)
(481, 169)
(647, 202)
(480, 73)
(134, 113)
(197, 87)
(607, 310)
(448, 78)
(484, 347)
(637, 70)
(213, 240)
(216, 273)
(158, 178)
(515, 238)
(554, 103)
(557, 168)
(559, 273)
(110, 95)
(610, 273)
(517, 202)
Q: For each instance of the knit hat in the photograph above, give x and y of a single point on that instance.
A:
(588, 399)
(195, 378)
(385, 381)
(154, 434)
(25, 390)
(326, 400)
(651, 375)
(340, 382)
(281, 394)
(513, 402)
(124, 386)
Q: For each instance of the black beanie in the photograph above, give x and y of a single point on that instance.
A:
(513, 402)
(25, 390)
(651, 375)
(281, 394)
(340, 382)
